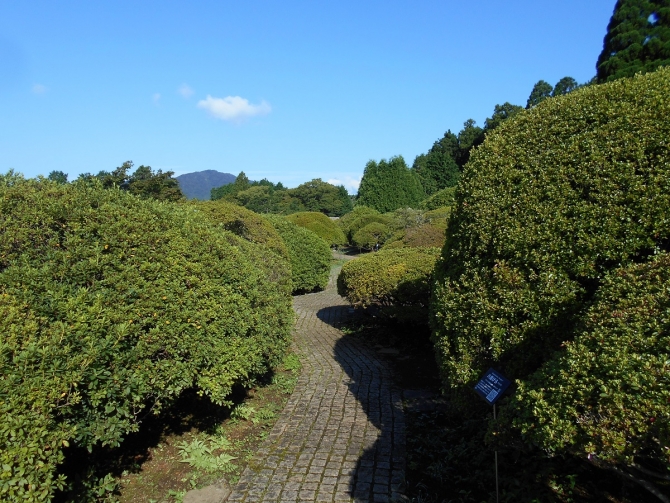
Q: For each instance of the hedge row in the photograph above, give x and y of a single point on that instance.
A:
(320, 225)
(111, 306)
(395, 279)
(309, 255)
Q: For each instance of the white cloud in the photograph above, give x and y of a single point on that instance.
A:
(39, 89)
(185, 90)
(350, 183)
(233, 108)
(156, 98)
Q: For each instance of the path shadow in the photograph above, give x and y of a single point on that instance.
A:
(379, 474)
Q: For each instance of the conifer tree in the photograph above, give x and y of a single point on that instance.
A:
(437, 169)
(637, 39)
(389, 185)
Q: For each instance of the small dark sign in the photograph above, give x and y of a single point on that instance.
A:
(492, 386)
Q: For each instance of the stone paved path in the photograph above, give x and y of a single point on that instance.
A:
(341, 437)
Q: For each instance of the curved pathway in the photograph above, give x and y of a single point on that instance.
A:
(341, 437)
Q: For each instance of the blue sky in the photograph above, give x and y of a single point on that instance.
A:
(286, 90)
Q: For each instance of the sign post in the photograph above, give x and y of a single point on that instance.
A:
(491, 387)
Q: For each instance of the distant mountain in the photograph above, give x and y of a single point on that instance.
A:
(199, 184)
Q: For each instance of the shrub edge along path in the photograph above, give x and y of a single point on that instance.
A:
(341, 436)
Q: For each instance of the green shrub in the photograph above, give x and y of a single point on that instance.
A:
(110, 306)
(427, 235)
(309, 255)
(361, 216)
(555, 203)
(244, 223)
(395, 279)
(554, 199)
(371, 235)
(321, 225)
(607, 394)
(444, 197)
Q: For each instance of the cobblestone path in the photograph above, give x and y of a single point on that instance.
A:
(341, 437)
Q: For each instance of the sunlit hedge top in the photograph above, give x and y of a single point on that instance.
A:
(110, 305)
(321, 225)
(245, 223)
(550, 203)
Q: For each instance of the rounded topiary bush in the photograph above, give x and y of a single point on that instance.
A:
(444, 197)
(372, 235)
(607, 394)
(245, 223)
(361, 216)
(320, 225)
(553, 201)
(394, 279)
(310, 255)
(111, 306)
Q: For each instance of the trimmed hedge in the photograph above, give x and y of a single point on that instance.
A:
(393, 278)
(321, 225)
(553, 201)
(244, 223)
(361, 216)
(111, 306)
(608, 393)
(310, 255)
(444, 197)
(372, 234)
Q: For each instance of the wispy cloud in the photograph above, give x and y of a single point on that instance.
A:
(156, 98)
(350, 183)
(39, 89)
(233, 108)
(186, 91)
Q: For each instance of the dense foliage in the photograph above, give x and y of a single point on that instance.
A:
(553, 203)
(607, 394)
(320, 225)
(637, 39)
(244, 223)
(395, 279)
(309, 255)
(266, 197)
(361, 216)
(437, 169)
(389, 185)
(110, 307)
(444, 197)
(143, 182)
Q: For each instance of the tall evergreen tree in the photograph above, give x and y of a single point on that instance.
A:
(541, 91)
(437, 169)
(637, 39)
(389, 185)
(470, 136)
(500, 114)
(565, 86)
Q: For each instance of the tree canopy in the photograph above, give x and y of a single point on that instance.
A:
(389, 185)
(637, 39)
(438, 169)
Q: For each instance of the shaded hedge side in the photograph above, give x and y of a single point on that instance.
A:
(310, 255)
(111, 306)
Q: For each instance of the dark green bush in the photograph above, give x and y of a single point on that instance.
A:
(371, 235)
(607, 394)
(444, 197)
(395, 279)
(321, 225)
(309, 255)
(111, 306)
(554, 199)
(427, 235)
